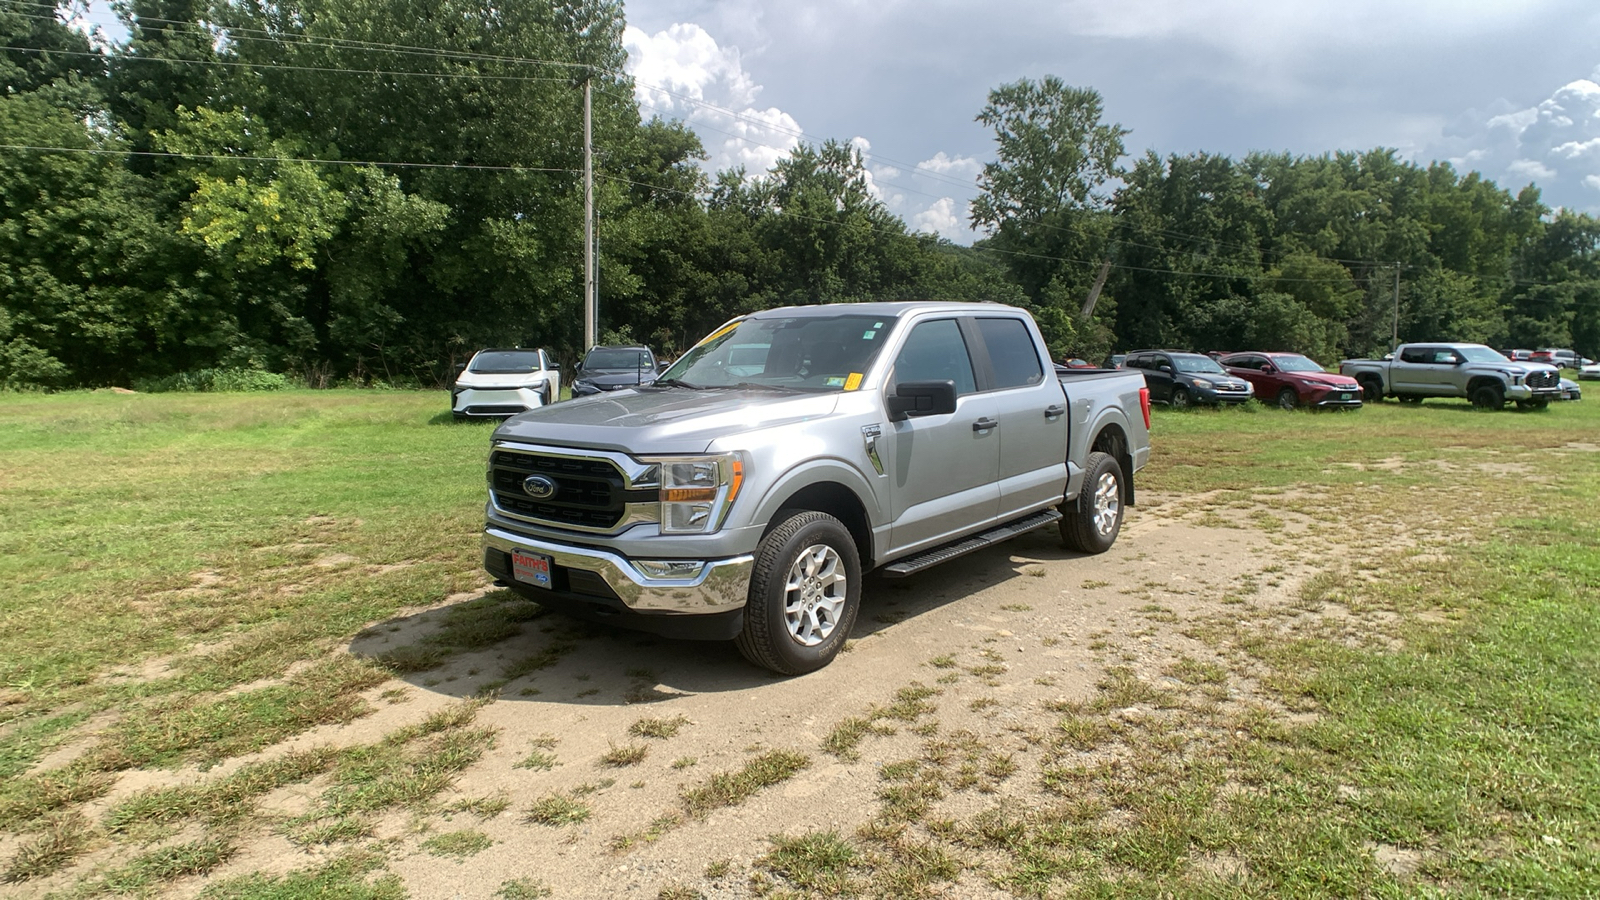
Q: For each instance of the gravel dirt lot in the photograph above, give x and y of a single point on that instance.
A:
(995, 646)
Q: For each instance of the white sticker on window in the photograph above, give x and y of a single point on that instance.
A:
(868, 335)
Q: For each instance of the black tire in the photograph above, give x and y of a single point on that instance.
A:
(546, 399)
(1288, 399)
(1091, 523)
(1180, 398)
(1371, 389)
(1488, 396)
(795, 620)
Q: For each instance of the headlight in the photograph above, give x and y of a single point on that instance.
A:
(1202, 383)
(696, 491)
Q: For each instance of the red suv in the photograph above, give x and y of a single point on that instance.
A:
(1292, 380)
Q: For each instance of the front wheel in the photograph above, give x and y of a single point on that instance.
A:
(1489, 396)
(1091, 523)
(1288, 399)
(1180, 398)
(1371, 389)
(804, 594)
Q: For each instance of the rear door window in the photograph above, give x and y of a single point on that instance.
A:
(1012, 352)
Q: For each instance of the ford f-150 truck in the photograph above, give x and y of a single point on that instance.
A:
(743, 494)
(1471, 371)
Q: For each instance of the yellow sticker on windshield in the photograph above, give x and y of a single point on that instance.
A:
(853, 382)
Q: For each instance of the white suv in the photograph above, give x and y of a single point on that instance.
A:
(504, 382)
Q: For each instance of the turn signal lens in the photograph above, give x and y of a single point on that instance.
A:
(688, 495)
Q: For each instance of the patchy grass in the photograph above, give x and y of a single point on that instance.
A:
(557, 810)
(732, 788)
(60, 840)
(658, 728)
(459, 844)
(624, 756)
(347, 877)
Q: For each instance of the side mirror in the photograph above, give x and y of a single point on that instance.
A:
(460, 367)
(1268, 368)
(1165, 368)
(921, 398)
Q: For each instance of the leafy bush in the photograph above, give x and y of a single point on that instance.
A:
(215, 380)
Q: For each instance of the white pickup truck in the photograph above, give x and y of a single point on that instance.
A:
(743, 494)
(1470, 371)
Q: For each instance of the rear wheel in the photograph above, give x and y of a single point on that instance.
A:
(1180, 398)
(804, 594)
(1090, 524)
(1488, 396)
(1288, 399)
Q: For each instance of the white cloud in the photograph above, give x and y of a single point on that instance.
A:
(944, 164)
(940, 218)
(1554, 144)
(682, 73)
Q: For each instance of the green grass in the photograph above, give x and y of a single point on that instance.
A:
(184, 572)
(732, 788)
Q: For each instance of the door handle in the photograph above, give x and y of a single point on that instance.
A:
(985, 424)
(1050, 412)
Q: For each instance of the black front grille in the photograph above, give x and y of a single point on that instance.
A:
(589, 493)
(1543, 380)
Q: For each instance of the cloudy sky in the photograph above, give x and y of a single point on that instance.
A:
(1510, 88)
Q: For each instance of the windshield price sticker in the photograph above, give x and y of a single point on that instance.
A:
(533, 568)
(853, 382)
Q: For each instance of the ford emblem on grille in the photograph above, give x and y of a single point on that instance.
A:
(539, 487)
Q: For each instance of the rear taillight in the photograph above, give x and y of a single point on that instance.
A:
(1144, 406)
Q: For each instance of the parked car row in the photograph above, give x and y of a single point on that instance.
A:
(501, 382)
(1182, 378)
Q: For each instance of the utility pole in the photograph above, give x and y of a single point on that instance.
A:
(1395, 336)
(591, 300)
(1099, 284)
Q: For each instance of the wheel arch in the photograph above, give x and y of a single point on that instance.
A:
(1112, 440)
(822, 490)
(1479, 381)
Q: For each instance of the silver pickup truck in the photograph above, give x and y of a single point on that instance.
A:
(1470, 371)
(744, 493)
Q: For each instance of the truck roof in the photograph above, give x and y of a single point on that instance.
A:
(887, 310)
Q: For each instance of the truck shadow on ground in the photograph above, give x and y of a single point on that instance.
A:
(498, 644)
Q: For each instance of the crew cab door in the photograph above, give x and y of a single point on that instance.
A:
(1032, 410)
(943, 469)
(1426, 370)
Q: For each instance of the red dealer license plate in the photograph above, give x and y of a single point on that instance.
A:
(531, 567)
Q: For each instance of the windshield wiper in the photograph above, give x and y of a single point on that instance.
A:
(781, 388)
(674, 382)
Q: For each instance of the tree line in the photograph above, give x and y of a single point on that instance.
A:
(356, 190)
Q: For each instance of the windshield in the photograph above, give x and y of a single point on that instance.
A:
(1197, 364)
(618, 359)
(506, 362)
(811, 353)
(1480, 354)
(1294, 362)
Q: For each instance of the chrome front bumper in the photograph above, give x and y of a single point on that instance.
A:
(717, 586)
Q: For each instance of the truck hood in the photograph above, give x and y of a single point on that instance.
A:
(671, 420)
(1513, 368)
